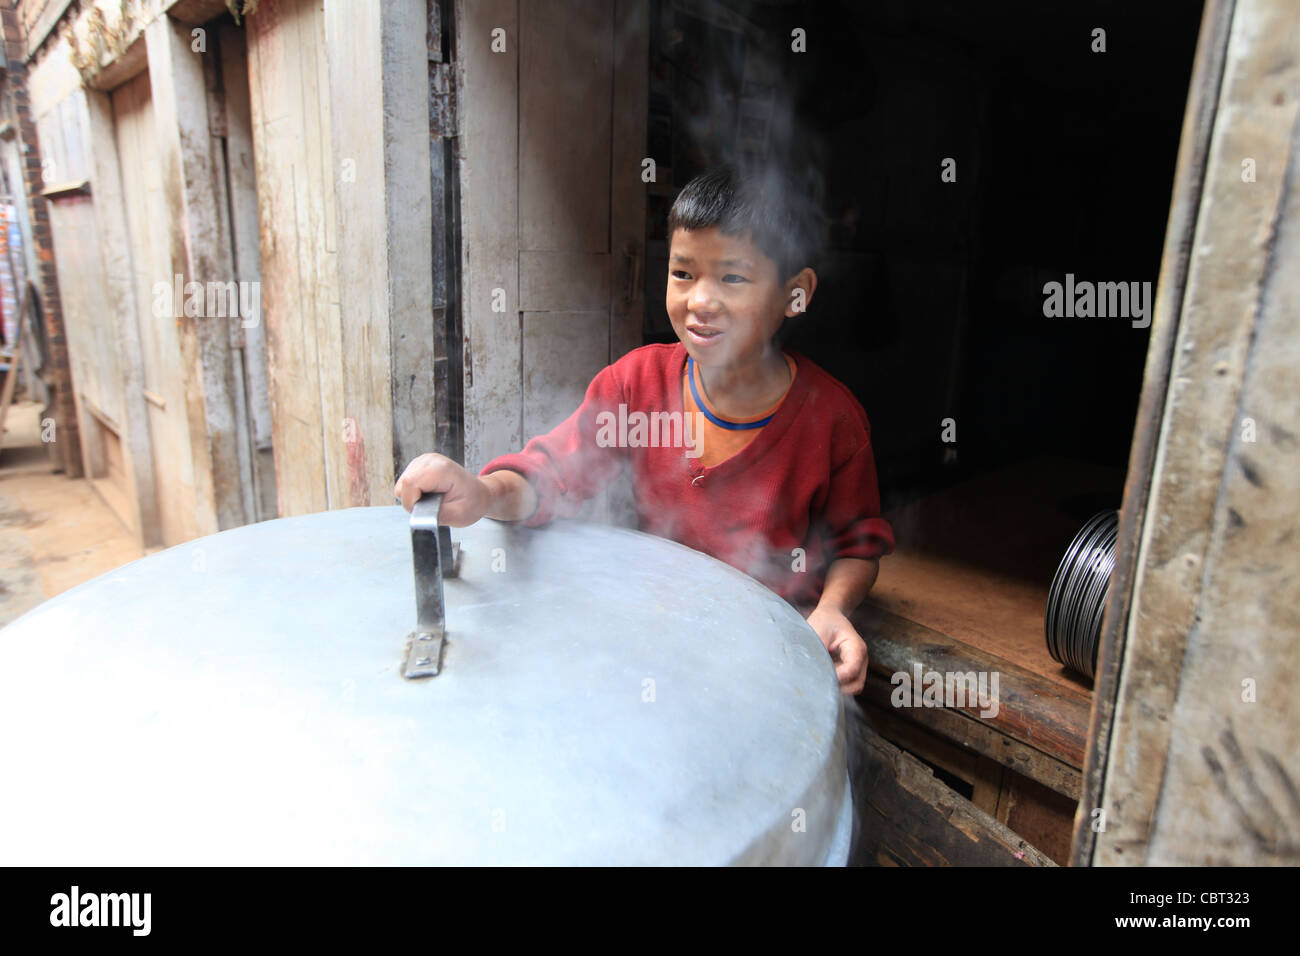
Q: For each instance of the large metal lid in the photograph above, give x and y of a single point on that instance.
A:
(605, 697)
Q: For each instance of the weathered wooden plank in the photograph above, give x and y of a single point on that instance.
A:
(92, 350)
(235, 325)
(40, 20)
(281, 102)
(248, 268)
(346, 345)
(561, 357)
(75, 166)
(488, 113)
(989, 790)
(1228, 789)
(91, 332)
(627, 193)
(976, 736)
(353, 62)
(564, 281)
(52, 78)
(49, 133)
(131, 63)
(921, 742)
(1198, 122)
(313, 184)
(200, 251)
(1179, 706)
(1050, 717)
(565, 103)
(565, 84)
(407, 205)
(1041, 816)
(909, 818)
(171, 465)
(539, 144)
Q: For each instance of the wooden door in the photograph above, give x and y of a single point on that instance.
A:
(553, 117)
(307, 363)
(163, 370)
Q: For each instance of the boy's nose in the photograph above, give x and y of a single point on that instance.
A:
(703, 300)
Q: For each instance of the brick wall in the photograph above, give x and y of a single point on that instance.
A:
(65, 451)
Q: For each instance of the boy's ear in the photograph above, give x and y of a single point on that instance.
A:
(799, 291)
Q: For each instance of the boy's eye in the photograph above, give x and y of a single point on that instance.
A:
(679, 274)
(733, 278)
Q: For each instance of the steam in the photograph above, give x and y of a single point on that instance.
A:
(739, 107)
(746, 110)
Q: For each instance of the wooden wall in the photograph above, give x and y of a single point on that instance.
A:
(339, 104)
(1203, 758)
(142, 128)
(333, 125)
(163, 374)
(553, 130)
(300, 290)
(91, 246)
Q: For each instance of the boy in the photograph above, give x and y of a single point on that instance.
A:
(773, 472)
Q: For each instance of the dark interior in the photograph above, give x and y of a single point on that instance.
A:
(931, 298)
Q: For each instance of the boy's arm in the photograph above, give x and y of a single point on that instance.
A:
(847, 582)
(511, 497)
(552, 474)
(557, 471)
(505, 495)
(857, 536)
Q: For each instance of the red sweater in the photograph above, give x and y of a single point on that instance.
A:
(808, 481)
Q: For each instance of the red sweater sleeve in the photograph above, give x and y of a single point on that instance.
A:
(853, 526)
(573, 461)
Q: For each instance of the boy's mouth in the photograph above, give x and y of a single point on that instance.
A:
(702, 334)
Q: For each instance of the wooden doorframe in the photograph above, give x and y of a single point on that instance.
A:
(109, 204)
(180, 103)
(1220, 288)
(1189, 181)
(237, 186)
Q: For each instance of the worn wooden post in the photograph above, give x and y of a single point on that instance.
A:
(115, 254)
(627, 191)
(248, 267)
(488, 111)
(380, 162)
(1199, 764)
(199, 251)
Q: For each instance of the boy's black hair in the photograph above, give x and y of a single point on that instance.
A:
(769, 206)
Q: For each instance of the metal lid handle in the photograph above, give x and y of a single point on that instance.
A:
(434, 558)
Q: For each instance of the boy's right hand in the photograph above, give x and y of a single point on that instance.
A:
(466, 498)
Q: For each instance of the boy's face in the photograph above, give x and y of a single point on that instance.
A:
(724, 298)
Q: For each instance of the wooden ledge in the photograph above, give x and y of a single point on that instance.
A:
(1046, 715)
(79, 187)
